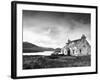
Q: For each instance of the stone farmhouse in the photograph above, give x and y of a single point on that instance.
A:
(77, 47)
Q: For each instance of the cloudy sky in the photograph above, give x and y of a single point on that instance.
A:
(53, 29)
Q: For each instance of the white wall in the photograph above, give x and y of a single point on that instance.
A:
(5, 37)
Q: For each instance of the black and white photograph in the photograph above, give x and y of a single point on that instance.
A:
(56, 39)
(53, 39)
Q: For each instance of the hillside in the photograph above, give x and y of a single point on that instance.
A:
(29, 47)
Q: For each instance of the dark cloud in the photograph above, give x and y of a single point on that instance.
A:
(59, 16)
(57, 25)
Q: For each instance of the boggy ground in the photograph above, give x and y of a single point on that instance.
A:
(38, 61)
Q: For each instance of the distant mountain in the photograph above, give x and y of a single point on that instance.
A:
(29, 47)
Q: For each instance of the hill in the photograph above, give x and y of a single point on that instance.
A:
(29, 47)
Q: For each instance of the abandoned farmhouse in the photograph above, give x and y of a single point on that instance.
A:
(77, 47)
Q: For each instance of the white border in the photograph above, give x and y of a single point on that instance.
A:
(21, 72)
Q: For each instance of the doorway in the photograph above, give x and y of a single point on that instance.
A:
(68, 52)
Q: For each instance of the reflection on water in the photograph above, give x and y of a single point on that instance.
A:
(40, 53)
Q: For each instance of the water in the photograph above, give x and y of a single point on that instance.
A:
(46, 53)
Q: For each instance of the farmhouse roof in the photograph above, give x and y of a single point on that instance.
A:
(83, 37)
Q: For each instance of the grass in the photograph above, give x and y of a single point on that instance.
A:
(38, 61)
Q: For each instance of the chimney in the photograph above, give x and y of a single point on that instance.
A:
(83, 36)
(69, 40)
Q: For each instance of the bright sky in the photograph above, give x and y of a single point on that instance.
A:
(52, 29)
